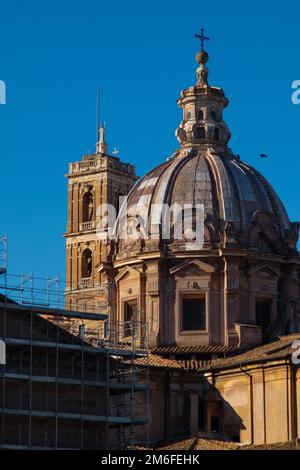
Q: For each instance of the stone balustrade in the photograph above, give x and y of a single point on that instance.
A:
(87, 225)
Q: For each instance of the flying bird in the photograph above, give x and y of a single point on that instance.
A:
(263, 155)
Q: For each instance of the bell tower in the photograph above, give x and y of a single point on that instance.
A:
(95, 181)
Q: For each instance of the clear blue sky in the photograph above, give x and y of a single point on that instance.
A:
(55, 53)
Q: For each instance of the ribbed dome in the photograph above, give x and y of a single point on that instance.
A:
(241, 207)
(230, 190)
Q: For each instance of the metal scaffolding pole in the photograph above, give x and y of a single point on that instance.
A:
(50, 399)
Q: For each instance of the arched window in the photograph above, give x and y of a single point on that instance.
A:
(188, 114)
(88, 207)
(213, 115)
(200, 115)
(200, 133)
(216, 133)
(86, 263)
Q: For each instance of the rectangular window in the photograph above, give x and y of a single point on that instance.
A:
(130, 317)
(193, 314)
(263, 313)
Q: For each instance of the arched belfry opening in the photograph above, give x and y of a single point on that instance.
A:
(86, 263)
(88, 207)
(200, 115)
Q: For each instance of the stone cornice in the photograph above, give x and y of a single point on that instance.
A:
(218, 254)
(78, 234)
(100, 171)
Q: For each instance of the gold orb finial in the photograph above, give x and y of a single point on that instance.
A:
(202, 57)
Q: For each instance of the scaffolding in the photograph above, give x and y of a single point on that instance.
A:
(29, 289)
(71, 380)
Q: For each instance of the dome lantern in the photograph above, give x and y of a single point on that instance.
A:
(202, 107)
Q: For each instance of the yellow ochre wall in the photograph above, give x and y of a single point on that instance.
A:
(261, 400)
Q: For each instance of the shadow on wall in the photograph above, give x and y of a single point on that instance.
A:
(216, 417)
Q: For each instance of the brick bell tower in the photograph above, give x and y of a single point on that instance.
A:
(97, 179)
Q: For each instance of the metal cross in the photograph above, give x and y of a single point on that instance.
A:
(115, 152)
(202, 38)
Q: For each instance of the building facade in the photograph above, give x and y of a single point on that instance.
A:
(224, 290)
(231, 285)
(249, 398)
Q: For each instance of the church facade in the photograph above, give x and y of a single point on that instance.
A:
(214, 296)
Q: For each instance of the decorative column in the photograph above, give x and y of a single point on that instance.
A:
(231, 286)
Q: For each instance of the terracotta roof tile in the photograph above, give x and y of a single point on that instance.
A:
(197, 443)
(186, 444)
(158, 361)
(209, 348)
(288, 445)
(277, 349)
(215, 444)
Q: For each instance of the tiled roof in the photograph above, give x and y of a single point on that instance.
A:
(276, 349)
(186, 444)
(138, 447)
(288, 445)
(198, 443)
(215, 444)
(153, 360)
(157, 361)
(213, 349)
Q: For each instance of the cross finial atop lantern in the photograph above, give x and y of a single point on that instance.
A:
(202, 38)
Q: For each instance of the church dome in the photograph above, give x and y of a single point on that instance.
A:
(230, 190)
(240, 207)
